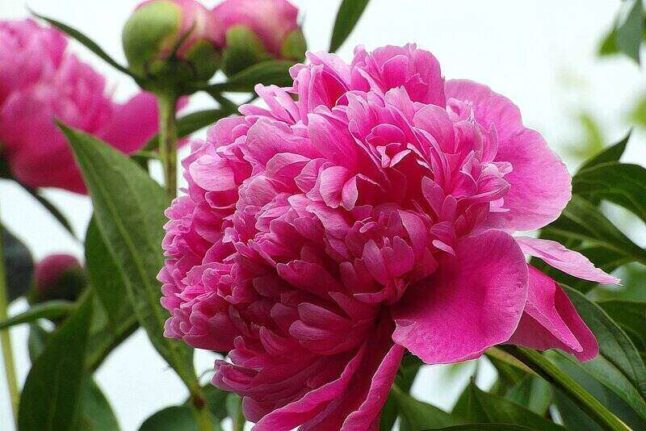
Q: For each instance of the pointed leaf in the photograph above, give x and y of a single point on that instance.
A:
(96, 412)
(50, 397)
(128, 208)
(87, 42)
(583, 221)
(346, 19)
(45, 310)
(562, 381)
(176, 418)
(106, 277)
(611, 154)
(418, 415)
(631, 317)
(621, 183)
(476, 405)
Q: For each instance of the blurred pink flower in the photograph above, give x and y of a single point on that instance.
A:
(58, 276)
(42, 81)
(323, 235)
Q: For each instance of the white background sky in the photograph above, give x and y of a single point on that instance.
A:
(540, 53)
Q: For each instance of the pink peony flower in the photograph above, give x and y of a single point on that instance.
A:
(364, 212)
(42, 81)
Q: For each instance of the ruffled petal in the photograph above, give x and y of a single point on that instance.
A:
(551, 321)
(472, 302)
(540, 183)
(568, 261)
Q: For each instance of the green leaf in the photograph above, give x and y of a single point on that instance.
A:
(215, 401)
(105, 337)
(601, 391)
(18, 264)
(418, 415)
(406, 374)
(45, 310)
(128, 209)
(271, 72)
(611, 154)
(614, 345)
(620, 183)
(106, 277)
(189, 124)
(583, 221)
(618, 367)
(50, 397)
(175, 418)
(631, 317)
(561, 380)
(36, 341)
(87, 42)
(233, 405)
(476, 405)
(533, 393)
(630, 28)
(487, 427)
(346, 19)
(574, 419)
(96, 412)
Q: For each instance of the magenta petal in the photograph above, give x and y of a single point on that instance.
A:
(351, 402)
(472, 302)
(551, 321)
(133, 123)
(368, 413)
(540, 183)
(568, 261)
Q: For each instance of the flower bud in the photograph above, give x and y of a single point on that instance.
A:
(259, 30)
(58, 276)
(172, 42)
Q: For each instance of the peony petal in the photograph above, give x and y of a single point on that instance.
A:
(568, 261)
(551, 321)
(540, 184)
(132, 123)
(471, 303)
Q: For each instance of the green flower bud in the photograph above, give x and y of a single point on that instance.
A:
(170, 43)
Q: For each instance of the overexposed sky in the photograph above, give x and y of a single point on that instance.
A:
(540, 53)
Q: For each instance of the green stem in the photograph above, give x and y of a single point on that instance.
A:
(5, 337)
(168, 141)
(203, 416)
(550, 372)
(239, 420)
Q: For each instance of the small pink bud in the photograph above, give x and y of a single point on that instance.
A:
(58, 276)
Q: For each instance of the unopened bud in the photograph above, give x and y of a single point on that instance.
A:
(172, 41)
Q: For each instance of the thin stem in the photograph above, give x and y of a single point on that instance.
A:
(203, 416)
(5, 338)
(168, 141)
(239, 420)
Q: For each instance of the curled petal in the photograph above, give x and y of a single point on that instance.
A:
(473, 301)
(551, 321)
(568, 261)
(540, 183)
